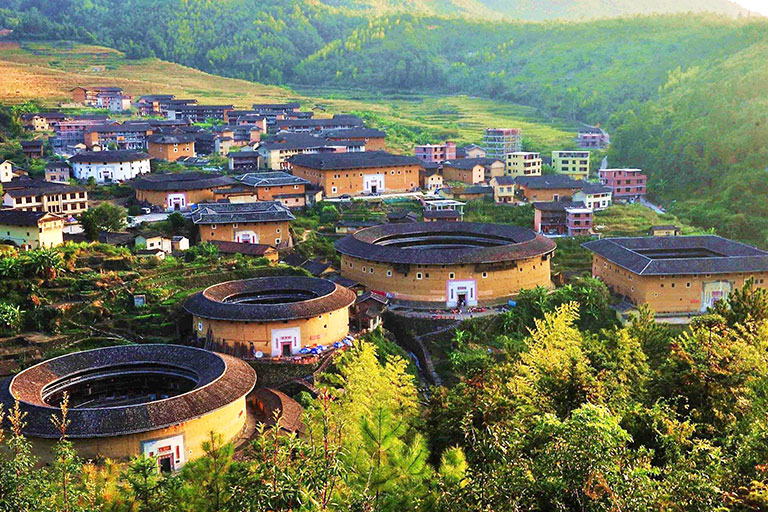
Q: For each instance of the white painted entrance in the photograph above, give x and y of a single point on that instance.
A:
(105, 173)
(373, 183)
(715, 291)
(286, 342)
(176, 201)
(461, 293)
(246, 237)
(168, 450)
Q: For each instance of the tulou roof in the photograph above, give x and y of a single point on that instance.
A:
(444, 243)
(361, 160)
(219, 380)
(21, 218)
(226, 213)
(303, 297)
(109, 156)
(680, 255)
(270, 179)
(182, 181)
(26, 188)
(179, 138)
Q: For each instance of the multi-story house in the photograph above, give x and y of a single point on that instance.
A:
(436, 152)
(553, 187)
(198, 113)
(70, 132)
(171, 147)
(280, 186)
(499, 142)
(31, 230)
(593, 137)
(109, 166)
(562, 218)
(593, 195)
(523, 163)
(263, 222)
(98, 97)
(57, 172)
(45, 196)
(503, 189)
(276, 153)
(337, 122)
(573, 163)
(41, 121)
(371, 138)
(625, 184)
(128, 136)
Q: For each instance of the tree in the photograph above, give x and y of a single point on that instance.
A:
(105, 217)
(45, 263)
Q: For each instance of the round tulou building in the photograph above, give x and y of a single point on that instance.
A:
(447, 264)
(270, 316)
(157, 400)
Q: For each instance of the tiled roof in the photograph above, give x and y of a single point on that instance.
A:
(444, 243)
(549, 181)
(270, 179)
(361, 160)
(315, 267)
(220, 379)
(226, 213)
(25, 188)
(657, 255)
(322, 297)
(20, 218)
(182, 181)
(109, 156)
(505, 180)
(554, 206)
(242, 248)
(119, 127)
(171, 139)
(361, 132)
(594, 188)
(469, 163)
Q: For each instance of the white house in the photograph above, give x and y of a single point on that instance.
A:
(594, 196)
(109, 166)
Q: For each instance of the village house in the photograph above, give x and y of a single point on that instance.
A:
(442, 210)
(41, 121)
(593, 137)
(171, 147)
(153, 240)
(369, 172)
(264, 222)
(371, 138)
(562, 218)
(246, 117)
(57, 172)
(368, 310)
(594, 196)
(499, 142)
(435, 152)
(503, 189)
(123, 136)
(241, 134)
(337, 122)
(109, 166)
(470, 151)
(248, 249)
(98, 97)
(572, 163)
(198, 113)
(430, 179)
(276, 152)
(244, 160)
(676, 274)
(666, 230)
(33, 148)
(149, 104)
(625, 184)
(31, 230)
(468, 193)
(179, 243)
(280, 186)
(179, 191)
(551, 187)
(70, 132)
(27, 194)
(117, 104)
(466, 170)
(523, 163)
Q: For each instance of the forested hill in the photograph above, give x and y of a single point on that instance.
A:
(683, 95)
(539, 10)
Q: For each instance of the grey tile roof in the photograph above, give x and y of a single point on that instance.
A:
(594, 188)
(270, 179)
(227, 213)
(677, 255)
(360, 160)
(549, 181)
(360, 132)
(554, 206)
(469, 163)
(220, 379)
(109, 156)
(182, 181)
(27, 187)
(20, 218)
(171, 139)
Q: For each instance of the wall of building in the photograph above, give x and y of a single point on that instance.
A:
(469, 176)
(665, 294)
(49, 234)
(492, 285)
(227, 421)
(270, 233)
(336, 183)
(239, 338)
(170, 152)
(160, 197)
(119, 171)
(544, 195)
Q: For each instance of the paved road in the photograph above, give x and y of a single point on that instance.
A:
(650, 205)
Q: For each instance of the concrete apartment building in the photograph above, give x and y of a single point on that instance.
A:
(562, 218)
(572, 163)
(523, 163)
(499, 142)
(435, 152)
(625, 184)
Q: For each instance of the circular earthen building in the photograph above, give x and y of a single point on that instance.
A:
(270, 316)
(157, 400)
(447, 264)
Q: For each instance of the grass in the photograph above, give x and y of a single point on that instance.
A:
(635, 220)
(48, 71)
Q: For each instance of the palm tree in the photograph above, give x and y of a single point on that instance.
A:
(45, 263)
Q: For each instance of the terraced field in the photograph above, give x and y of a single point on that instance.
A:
(47, 71)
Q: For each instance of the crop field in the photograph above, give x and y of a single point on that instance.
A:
(48, 71)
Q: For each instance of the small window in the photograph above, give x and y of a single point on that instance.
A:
(363, 270)
(213, 226)
(277, 240)
(235, 225)
(199, 326)
(371, 270)
(672, 285)
(451, 275)
(278, 230)
(485, 274)
(418, 275)
(426, 276)
(389, 273)
(687, 285)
